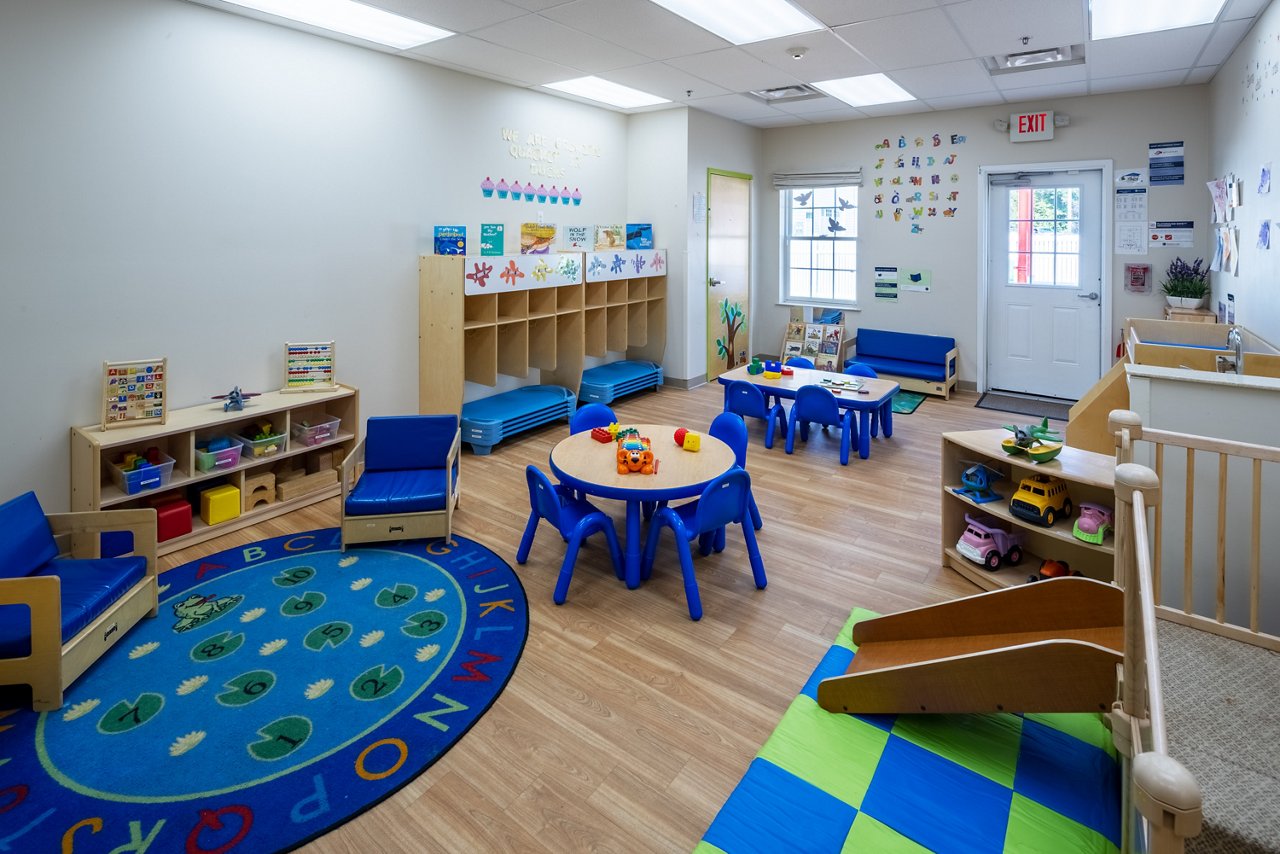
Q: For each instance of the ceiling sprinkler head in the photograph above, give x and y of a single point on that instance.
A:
(797, 52)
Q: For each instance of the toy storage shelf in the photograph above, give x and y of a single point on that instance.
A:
(480, 337)
(94, 451)
(1088, 476)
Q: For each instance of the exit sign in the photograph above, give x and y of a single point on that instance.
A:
(1031, 127)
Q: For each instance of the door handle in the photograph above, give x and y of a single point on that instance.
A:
(1090, 295)
(713, 281)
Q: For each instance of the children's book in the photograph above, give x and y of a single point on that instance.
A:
(610, 237)
(792, 348)
(639, 235)
(451, 240)
(577, 238)
(492, 237)
(536, 238)
(832, 336)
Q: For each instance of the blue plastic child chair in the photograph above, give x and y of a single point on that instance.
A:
(858, 369)
(574, 518)
(748, 401)
(591, 416)
(723, 502)
(730, 429)
(815, 404)
(799, 362)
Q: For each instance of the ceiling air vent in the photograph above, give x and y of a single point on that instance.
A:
(1034, 60)
(786, 94)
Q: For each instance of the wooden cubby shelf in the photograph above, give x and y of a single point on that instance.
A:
(94, 453)
(1088, 476)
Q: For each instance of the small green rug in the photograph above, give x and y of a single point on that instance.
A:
(906, 402)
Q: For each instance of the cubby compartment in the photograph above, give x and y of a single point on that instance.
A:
(637, 290)
(617, 292)
(480, 309)
(480, 364)
(513, 349)
(513, 306)
(543, 343)
(542, 302)
(569, 299)
(637, 325)
(596, 332)
(596, 293)
(616, 325)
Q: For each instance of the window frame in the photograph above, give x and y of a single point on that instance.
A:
(786, 204)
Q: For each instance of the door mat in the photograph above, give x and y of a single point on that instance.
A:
(1023, 405)
(906, 402)
(284, 688)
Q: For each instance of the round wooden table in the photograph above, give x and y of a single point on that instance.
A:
(591, 467)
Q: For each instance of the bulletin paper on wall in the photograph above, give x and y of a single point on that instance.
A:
(1172, 232)
(886, 280)
(1166, 163)
(1131, 221)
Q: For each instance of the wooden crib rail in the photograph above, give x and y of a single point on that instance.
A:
(1163, 803)
(1128, 429)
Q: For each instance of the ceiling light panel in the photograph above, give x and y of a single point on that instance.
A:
(865, 90)
(606, 92)
(352, 19)
(1111, 19)
(744, 21)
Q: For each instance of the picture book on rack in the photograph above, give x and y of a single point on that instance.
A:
(536, 238)
(451, 240)
(639, 235)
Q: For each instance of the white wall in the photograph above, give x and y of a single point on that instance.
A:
(717, 143)
(182, 182)
(1245, 122)
(1117, 127)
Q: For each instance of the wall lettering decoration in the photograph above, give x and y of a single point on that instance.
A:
(913, 191)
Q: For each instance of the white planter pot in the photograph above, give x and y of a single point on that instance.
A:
(1187, 302)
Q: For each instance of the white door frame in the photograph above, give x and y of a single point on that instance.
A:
(1106, 258)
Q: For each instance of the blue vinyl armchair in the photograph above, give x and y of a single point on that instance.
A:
(77, 604)
(400, 482)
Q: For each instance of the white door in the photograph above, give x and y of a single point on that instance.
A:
(1044, 283)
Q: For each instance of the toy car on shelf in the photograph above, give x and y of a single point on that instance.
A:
(985, 544)
(1051, 569)
(1094, 523)
(1042, 499)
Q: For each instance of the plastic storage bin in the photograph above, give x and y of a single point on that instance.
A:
(223, 459)
(264, 447)
(151, 477)
(314, 434)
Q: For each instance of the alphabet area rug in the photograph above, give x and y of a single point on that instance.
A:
(284, 688)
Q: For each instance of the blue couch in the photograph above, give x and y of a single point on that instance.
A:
(921, 363)
(76, 606)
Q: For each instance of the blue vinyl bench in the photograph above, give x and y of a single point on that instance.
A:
(920, 363)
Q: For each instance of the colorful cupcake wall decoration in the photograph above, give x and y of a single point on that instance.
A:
(517, 191)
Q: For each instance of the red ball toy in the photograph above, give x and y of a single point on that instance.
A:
(680, 434)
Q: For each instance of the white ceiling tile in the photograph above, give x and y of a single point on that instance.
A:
(949, 78)
(1041, 77)
(555, 42)
(734, 107)
(997, 26)
(781, 120)
(826, 57)
(1201, 75)
(898, 109)
(537, 5)
(490, 60)
(901, 41)
(1040, 93)
(658, 78)
(734, 69)
(1223, 41)
(645, 28)
(843, 114)
(825, 104)
(1134, 82)
(960, 102)
(836, 13)
(460, 16)
(1148, 52)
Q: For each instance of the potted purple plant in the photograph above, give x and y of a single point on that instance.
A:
(1186, 285)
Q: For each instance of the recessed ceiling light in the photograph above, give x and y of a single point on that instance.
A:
(606, 92)
(865, 91)
(744, 21)
(352, 19)
(1111, 19)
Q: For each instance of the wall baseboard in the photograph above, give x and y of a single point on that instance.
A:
(685, 385)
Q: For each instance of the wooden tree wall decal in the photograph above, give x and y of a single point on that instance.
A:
(732, 317)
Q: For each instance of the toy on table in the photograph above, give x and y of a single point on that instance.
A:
(613, 429)
(1094, 523)
(635, 454)
(975, 483)
(985, 544)
(787, 371)
(755, 367)
(1051, 569)
(601, 434)
(1042, 499)
(688, 439)
(1037, 441)
(234, 399)
(772, 369)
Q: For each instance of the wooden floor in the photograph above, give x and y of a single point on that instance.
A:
(626, 725)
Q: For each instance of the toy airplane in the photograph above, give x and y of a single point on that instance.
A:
(975, 483)
(234, 399)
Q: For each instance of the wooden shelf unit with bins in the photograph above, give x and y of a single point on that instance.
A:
(94, 451)
(1088, 476)
(508, 329)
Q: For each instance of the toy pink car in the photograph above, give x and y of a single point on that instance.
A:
(1094, 523)
(985, 544)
